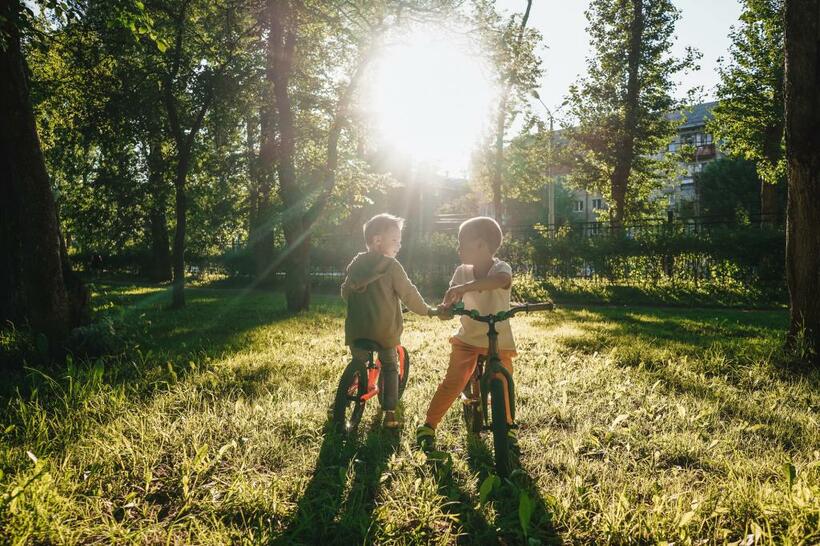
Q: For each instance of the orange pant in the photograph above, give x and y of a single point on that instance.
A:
(463, 359)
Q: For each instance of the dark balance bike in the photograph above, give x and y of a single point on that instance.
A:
(360, 382)
(486, 383)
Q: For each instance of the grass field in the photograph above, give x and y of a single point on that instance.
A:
(638, 425)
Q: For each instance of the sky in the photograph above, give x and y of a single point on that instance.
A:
(704, 25)
(430, 95)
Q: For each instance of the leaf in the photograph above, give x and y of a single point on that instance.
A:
(32, 456)
(225, 448)
(487, 487)
(791, 473)
(200, 456)
(618, 420)
(686, 518)
(525, 509)
(161, 45)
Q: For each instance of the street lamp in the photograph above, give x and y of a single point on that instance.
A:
(550, 182)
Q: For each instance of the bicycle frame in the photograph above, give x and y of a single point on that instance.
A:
(493, 368)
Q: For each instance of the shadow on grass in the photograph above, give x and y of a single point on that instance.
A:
(684, 331)
(734, 354)
(157, 344)
(766, 422)
(508, 498)
(475, 526)
(338, 502)
(213, 320)
(148, 332)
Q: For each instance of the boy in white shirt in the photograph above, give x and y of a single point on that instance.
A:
(483, 282)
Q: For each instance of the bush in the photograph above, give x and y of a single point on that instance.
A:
(99, 338)
(527, 288)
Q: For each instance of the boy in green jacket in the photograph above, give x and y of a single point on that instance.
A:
(374, 288)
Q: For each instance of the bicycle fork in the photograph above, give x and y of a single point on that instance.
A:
(482, 379)
(495, 368)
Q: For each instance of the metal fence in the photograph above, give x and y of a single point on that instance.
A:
(693, 249)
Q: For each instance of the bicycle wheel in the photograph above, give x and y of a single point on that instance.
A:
(348, 407)
(404, 371)
(500, 428)
(471, 407)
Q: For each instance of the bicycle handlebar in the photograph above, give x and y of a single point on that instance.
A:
(459, 309)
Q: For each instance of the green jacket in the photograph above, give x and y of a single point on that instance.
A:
(374, 288)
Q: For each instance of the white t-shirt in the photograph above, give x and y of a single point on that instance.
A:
(486, 301)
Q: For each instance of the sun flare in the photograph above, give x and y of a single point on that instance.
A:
(430, 97)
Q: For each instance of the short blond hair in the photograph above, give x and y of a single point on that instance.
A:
(485, 229)
(379, 224)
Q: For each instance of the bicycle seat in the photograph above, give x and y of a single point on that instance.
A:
(367, 345)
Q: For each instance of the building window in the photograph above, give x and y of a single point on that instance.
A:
(579, 206)
(597, 204)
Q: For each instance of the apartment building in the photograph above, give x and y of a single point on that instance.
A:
(691, 132)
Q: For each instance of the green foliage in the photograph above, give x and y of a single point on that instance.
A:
(598, 102)
(527, 288)
(99, 338)
(746, 255)
(729, 188)
(749, 119)
(511, 50)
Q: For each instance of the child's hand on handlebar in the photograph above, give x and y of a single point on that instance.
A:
(444, 312)
(453, 295)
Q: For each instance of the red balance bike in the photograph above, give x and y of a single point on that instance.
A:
(360, 382)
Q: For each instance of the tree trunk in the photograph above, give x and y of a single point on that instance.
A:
(160, 267)
(184, 149)
(79, 298)
(253, 186)
(299, 218)
(626, 146)
(297, 279)
(803, 161)
(769, 205)
(281, 45)
(498, 163)
(498, 167)
(30, 238)
(178, 292)
(262, 241)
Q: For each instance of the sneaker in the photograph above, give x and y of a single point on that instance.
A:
(426, 438)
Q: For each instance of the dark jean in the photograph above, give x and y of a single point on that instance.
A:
(389, 374)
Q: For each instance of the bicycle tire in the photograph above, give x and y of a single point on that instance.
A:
(403, 378)
(348, 408)
(500, 428)
(471, 408)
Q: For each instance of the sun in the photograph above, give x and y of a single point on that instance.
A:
(430, 98)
